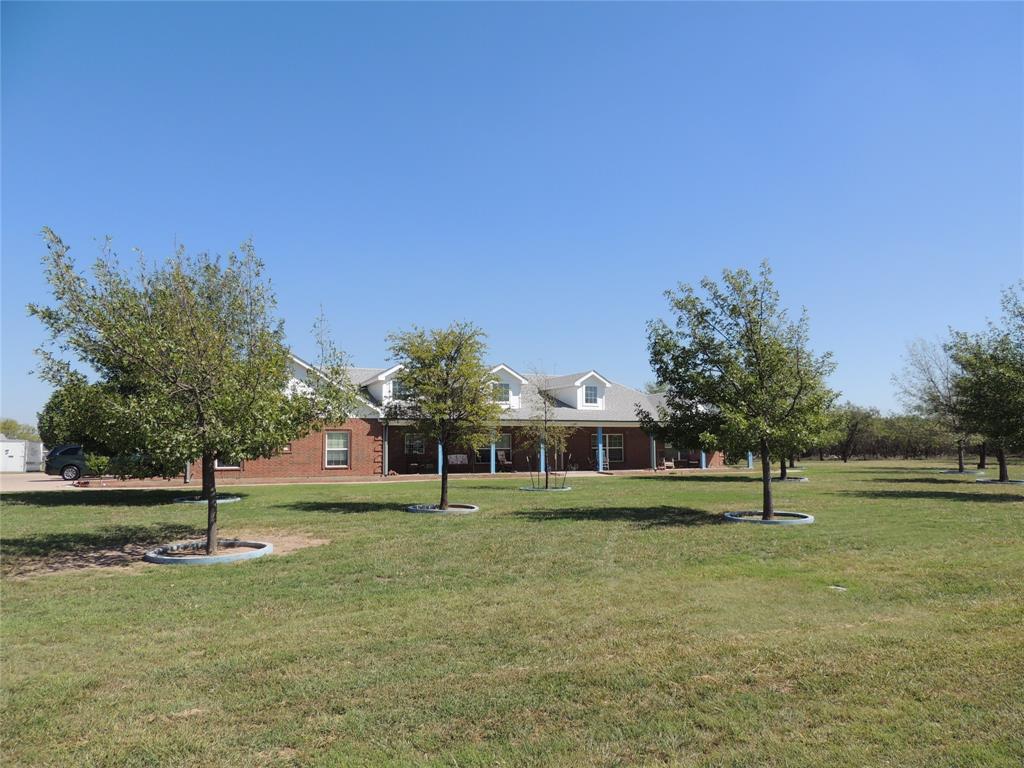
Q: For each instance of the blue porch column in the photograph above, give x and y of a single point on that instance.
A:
(494, 457)
(439, 457)
(750, 459)
(703, 460)
(542, 463)
(600, 449)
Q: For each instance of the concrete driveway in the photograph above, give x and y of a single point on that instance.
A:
(12, 482)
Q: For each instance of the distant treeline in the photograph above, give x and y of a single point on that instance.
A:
(864, 433)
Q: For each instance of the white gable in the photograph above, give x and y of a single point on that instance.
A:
(509, 378)
(577, 389)
(300, 372)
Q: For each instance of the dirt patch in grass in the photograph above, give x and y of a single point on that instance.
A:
(116, 550)
(284, 543)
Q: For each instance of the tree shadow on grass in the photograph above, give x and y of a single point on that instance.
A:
(702, 478)
(986, 498)
(109, 546)
(107, 498)
(641, 517)
(341, 507)
(893, 470)
(923, 480)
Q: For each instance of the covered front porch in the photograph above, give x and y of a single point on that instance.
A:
(592, 448)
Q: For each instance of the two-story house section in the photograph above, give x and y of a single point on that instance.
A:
(607, 435)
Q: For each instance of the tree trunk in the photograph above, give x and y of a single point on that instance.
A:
(210, 492)
(785, 472)
(1004, 472)
(792, 463)
(821, 454)
(960, 454)
(209, 481)
(444, 476)
(767, 507)
(983, 456)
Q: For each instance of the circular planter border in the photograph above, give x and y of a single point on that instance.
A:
(1000, 482)
(792, 518)
(545, 490)
(194, 500)
(791, 480)
(453, 509)
(160, 556)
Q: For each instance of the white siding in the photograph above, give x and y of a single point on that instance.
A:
(515, 390)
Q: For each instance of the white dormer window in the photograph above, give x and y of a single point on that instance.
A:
(398, 390)
(590, 394)
(508, 387)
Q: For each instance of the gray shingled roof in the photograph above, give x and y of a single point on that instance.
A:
(557, 382)
(620, 401)
(361, 377)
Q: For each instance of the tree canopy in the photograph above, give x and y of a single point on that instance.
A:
(927, 387)
(448, 390)
(738, 372)
(14, 429)
(190, 359)
(990, 387)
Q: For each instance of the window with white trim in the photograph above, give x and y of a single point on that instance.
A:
(503, 392)
(414, 445)
(398, 390)
(502, 442)
(336, 449)
(614, 447)
(590, 395)
(227, 464)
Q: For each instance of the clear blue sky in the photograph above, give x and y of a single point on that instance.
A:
(543, 170)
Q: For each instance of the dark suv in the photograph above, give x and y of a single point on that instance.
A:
(68, 461)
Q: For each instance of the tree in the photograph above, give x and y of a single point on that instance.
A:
(190, 360)
(15, 430)
(811, 423)
(449, 391)
(74, 414)
(738, 372)
(68, 415)
(927, 388)
(854, 425)
(540, 426)
(912, 435)
(990, 389)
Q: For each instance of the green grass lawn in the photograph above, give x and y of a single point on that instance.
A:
(620, 624)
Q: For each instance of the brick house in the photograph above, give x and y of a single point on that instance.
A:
(608, 434)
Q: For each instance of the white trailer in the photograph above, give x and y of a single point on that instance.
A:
(34, 455)
(20, 455)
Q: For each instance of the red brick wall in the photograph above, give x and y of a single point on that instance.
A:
(306, 456)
